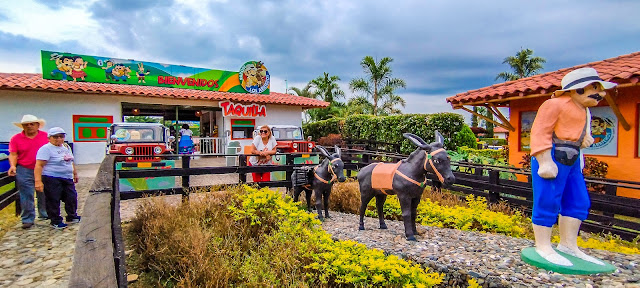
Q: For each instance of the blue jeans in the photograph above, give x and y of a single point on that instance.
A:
(26, 187)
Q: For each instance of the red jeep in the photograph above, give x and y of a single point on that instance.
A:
(290, 139)
(138, 139)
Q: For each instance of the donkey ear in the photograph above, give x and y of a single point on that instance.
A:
(439, 138)
(417, 141)
(323, 151)
(338, 151)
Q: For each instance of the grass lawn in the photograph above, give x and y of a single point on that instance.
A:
(8, 217)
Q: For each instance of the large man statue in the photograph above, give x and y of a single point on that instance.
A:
(559, 131)
(22, 158)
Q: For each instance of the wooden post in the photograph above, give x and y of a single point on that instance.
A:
(610, 190)
(494, 178)
(289, 161)
(242, 162)
(18, 207)
(186, 160)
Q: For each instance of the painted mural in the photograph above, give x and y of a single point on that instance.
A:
(148, 183)
(526, 120)
(252, 78)
(91, 128)
(604, 130)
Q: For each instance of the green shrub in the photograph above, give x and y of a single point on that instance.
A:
(494, 141)
(488, 153)
(465, 137)
(390, 128)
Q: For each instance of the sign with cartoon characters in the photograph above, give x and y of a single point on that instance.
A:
(252, 78)
(604, 130)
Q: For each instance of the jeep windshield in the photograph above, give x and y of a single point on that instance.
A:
(293, 133)
(137, 134)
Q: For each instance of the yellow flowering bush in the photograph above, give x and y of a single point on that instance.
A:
(475, 217)
(333, 263)
(614, 244)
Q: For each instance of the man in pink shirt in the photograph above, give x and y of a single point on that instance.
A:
(22, 158)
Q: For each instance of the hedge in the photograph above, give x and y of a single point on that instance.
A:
(390, 128)
(495, 141)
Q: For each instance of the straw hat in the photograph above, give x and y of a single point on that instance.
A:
(582, 77)
(28, 118)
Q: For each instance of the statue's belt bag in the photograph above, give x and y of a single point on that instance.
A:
(566, 154)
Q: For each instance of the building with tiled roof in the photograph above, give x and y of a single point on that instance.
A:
(619, 148)
(227, 116)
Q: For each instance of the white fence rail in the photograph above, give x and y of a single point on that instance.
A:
(210, 145)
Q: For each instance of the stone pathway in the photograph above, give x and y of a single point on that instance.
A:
(42, 256)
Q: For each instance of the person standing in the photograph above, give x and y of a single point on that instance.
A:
(55, 174)
(264, 145)
(22, 160)
(186, 144)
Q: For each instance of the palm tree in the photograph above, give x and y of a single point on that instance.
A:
(378, 85)
(327, 87)
(523, 65)
(305, 92)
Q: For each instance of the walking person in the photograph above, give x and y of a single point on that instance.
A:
(22, 160)
(264, 145)
(56, 175)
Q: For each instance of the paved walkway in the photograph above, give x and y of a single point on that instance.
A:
(42, 256)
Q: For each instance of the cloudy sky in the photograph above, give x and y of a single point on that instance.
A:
(440, 48)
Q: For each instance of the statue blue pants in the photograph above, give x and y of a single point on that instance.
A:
(566, 194)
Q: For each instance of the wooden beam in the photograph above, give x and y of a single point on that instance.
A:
(485, 118)
(614, 106)
(498, 114)
(93, 263)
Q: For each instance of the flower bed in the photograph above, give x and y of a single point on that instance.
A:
(255, 237)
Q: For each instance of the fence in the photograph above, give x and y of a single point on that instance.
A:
(210, 145)
(8, 192)
(100, 236)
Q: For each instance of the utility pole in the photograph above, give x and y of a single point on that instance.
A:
(286, 87)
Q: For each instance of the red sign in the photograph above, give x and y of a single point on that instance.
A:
(241, 110)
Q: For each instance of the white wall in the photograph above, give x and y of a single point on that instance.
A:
(57, 109)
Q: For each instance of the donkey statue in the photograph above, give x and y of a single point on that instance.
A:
(324, 175)
(407, 179)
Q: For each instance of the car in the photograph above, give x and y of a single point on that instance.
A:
(290, 139)
(140, 140)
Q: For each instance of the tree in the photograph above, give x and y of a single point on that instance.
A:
(143, 119)
(304, 92)
(523, 65)
(379, 86)
(327, 87)
(474, 117)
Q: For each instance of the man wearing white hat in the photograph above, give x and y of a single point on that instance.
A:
(22, 158)
(561, 128)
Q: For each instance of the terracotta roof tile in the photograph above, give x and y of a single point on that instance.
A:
(619, 69)
(30, 81)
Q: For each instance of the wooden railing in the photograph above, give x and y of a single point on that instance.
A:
(11, 194)
(99, 259)
(210, 145)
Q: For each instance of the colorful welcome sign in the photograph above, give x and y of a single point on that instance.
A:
(252, 78)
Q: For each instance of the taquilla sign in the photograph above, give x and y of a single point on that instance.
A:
(253, 76)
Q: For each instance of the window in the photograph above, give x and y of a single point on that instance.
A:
(242, 128)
